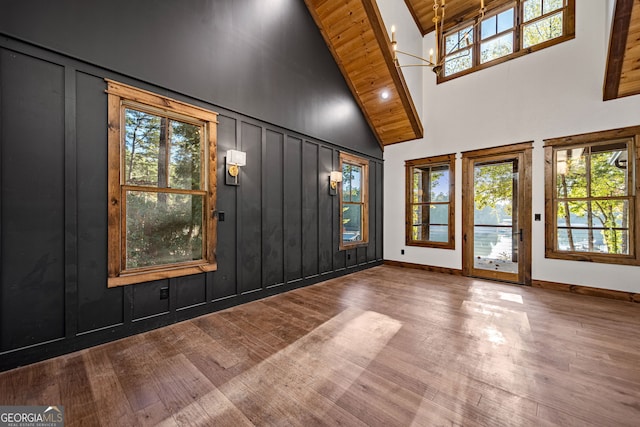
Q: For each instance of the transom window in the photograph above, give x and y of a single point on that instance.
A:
(430, 202)
(591, 197)
(511, 29)
(354, 201)
(161, 187)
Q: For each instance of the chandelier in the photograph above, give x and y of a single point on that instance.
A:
(440, 51)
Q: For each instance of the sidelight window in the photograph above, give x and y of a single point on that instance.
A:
(430, 202)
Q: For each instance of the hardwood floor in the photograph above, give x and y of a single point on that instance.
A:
(383, 347)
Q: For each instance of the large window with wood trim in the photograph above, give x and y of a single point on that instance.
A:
(508, 30)
(430, 194)
(162, 180)
(591, 197)
(354, 201)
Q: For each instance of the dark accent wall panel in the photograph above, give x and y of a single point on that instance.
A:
(373, 203)
(339, 257)
(293, 208)
(309, 209)
(250, 216)
(379, 209)
(98, 306)
(147, 301)
(225, 284)
(280, 231)
(325, 211)
(273, 196)
(32, 221)
(189, 290)
(266, 59)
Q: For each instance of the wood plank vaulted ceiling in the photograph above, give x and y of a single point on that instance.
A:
(359, 42)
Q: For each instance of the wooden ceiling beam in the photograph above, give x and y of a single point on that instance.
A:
(617, 47)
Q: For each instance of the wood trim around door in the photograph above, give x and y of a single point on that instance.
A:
(522, 151)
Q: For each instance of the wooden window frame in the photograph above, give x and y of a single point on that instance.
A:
(121, 96)
(364, 164)
(568, 33)
(443, 160)
(632, 134)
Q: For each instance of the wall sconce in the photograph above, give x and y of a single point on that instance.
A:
(334, 179)
(234, 160)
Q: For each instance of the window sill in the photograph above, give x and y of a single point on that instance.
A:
(591, 257)
(443, 245)
(148, 276)
(353, 246)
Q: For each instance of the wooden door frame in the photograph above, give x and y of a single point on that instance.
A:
(524, 151)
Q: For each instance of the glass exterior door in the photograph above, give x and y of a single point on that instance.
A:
(497, 215)
(496, 233)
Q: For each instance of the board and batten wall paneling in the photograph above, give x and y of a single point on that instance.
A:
(273, 213)
(293, 208)
(226, 275)
(280, 229)
(250, 215)
(32, 183)
(99, 306)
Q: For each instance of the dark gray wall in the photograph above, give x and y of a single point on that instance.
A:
(264, 58)
(281, 226)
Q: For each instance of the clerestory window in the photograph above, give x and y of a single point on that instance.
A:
(508, 30)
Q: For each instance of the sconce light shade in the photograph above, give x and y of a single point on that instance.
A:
(234, 160)
(334, 178)
(238, 158)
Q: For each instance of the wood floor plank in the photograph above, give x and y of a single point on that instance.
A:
(383, 346)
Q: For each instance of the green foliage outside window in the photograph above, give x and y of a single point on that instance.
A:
(162, 227)
(593, 198)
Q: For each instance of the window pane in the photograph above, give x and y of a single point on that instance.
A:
(551, 5)
(571, 173)
(440, 184)
(572, 214)
(493, 193)
(542, 30)
(141, 148)
(351, 183)
(610, 213)
(458, 62)
(496, 48)
(438, 233)
(430, 223)
(163, 228)
(488, 27)
(573, 239)
(602, 241)
(493, 249)
(351, 223)
(458, 40)
(505, 20)
(439, 214)
(417, 189)
(532, 9)
(609, 170)
(186, 155)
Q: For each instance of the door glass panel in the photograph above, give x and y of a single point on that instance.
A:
(495, 228)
